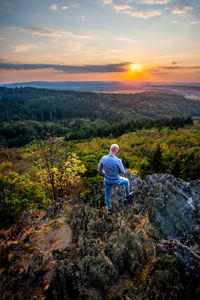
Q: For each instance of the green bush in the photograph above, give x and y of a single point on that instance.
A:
(18, 193)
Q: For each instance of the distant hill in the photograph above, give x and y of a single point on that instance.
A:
(49, 105)
(191, 90)
(27, 112)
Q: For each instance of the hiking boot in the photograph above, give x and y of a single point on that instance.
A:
(129, 199)
(130, 196)
(109, 211)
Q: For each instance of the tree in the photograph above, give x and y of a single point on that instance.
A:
(157, 162)
(176, 170)
(58, 171)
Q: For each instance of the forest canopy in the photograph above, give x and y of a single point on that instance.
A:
(29, 113)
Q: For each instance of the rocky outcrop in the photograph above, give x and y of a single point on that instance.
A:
(149, 249)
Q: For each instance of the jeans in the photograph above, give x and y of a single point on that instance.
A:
(108, 187)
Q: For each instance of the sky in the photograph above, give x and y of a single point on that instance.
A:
(100, 40)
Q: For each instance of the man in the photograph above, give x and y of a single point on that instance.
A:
(109, 167)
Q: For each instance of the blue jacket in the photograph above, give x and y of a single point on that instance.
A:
(110, 166)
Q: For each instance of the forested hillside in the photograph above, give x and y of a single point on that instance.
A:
(175, 151)
(26, 113)
(70, 132)
(50, 105)
(72, 166)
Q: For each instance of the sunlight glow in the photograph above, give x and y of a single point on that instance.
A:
(133, 67)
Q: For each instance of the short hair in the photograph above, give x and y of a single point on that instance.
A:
(114, 148)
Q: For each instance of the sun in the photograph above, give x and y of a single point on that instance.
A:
(133, 67)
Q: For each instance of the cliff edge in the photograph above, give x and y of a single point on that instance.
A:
(149, 249)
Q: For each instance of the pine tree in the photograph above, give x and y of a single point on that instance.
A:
(157, 162)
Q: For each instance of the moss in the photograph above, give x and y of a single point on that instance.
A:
(67, 219)
(92, 211)
(162, 276)
(111, 296)
(151, 230)
(133, 221)
(85, 193)
(10, 256)
(33, 249)
(57, 216)
(144, 220)
(144, 274)
(124, 237)
(56, 224)
(128, 283)
(195, 247)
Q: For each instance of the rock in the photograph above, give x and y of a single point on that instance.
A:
(54, 209)
(62, 285)
(125, 251)
(75, 282)
(176, 273)
(26, 215)
(172, 211)
(147, 250)
(194, 200)
(186, 257)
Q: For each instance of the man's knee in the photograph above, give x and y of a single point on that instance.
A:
(124, 180)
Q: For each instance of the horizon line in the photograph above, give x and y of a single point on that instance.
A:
(97, 81)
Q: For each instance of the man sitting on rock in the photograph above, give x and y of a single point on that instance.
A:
(109, 167)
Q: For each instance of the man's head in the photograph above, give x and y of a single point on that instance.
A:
(114, 148)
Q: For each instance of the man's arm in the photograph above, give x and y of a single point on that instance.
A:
(121, 167)
(100, 168)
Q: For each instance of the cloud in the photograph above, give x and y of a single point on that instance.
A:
(144, 14)
(195, 22)
(65, 7)
(123, 39)
(164, 70)
(79, 35)
(42, 31)
(109, 68)
(49, 32)
(122, 7)
(153, 2)
(159, 73)
(54, 7)
(128, 10)
(23, 48)
(181, 11)
(83, 18)
(178, 67)
(107, 2)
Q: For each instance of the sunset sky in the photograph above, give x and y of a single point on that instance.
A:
(85, 40)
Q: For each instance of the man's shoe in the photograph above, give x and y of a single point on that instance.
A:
(130, 196)
(129, 199)
(109, 211)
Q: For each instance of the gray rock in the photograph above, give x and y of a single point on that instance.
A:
(125, 251)
(172, 212)
(194, 200)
